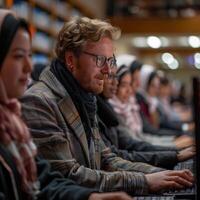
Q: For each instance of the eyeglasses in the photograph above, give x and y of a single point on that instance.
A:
(102, 60)
(112, 77)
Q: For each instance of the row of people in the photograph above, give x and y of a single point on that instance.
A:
(137, 109)
(23, 174)
(61, 113)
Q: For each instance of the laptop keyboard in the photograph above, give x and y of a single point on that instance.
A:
(154, 198)
(185, 165)
(174, 194)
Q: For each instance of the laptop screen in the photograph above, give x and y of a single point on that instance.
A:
(196, 110)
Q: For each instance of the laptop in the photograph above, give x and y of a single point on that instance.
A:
(189, 193)
(196, 111)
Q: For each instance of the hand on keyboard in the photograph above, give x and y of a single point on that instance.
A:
(110, 196)
(165, 180)
(186, 154)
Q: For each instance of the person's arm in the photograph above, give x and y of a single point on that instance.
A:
(125, 141)
(55, 187)
(164, 159)
(148, 128)
(156, 158)
(114, 163)
(55, 145)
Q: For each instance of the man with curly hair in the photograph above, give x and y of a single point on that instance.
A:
(60, 110)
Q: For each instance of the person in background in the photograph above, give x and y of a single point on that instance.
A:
(119, 140)
(126, 106)
(168, 117)
(35, 74)
(60, 111)
(148, 100)
(135, 68)
(138, 96)
(24, 175)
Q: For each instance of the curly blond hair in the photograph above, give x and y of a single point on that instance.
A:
(75, 33)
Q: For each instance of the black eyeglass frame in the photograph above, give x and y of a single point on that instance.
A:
(106, 60)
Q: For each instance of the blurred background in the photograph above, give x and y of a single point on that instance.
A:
(163, 33)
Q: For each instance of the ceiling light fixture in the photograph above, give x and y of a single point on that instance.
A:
(154, 42)
(194, 41)
(167, 58)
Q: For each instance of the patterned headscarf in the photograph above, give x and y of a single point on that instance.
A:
(14, 134)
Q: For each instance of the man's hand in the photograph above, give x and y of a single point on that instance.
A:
(110, 196)
(165, 180)
(186, 154)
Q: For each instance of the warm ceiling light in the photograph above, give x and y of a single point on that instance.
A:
(197, 65)
(165, 41)
(139, 42)
(194, 41)
(167, 58)
(174, 64)
(154, 42)
(197, 58)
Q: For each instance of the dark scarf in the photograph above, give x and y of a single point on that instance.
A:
(84, 102)
(106, 112)
(7, 32)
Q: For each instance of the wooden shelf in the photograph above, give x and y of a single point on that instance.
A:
(174, 50)
(43, 6)
(51, 11)
(80, 6)
(46, 30)
(42, 51)
(157, 25)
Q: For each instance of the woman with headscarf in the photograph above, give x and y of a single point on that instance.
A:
(125, 104)
(22, 175)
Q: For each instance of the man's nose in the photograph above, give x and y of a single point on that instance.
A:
(106, 69)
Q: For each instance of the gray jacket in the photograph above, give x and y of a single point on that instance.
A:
(59, 134)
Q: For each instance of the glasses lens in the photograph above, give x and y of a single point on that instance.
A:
(112, 62)
(112, 76)
(100, 60)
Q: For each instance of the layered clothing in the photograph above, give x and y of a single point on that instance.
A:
(130, 114)
(23, 175)
(59, 130)
(120, 141)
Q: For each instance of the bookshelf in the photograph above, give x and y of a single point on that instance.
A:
(46, 18)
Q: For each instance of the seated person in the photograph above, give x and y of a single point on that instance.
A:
(123, 144)
(147, 97)
(23, 175)
(147, 128)
(168, 116)
(35, 74)
(60, 111)
(124, 103)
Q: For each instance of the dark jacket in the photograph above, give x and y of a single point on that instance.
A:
(146, 120)
(53, 185)
(125, 146)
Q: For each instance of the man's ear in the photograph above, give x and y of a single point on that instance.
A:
(70, 60)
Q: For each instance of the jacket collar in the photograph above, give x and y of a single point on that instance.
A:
(67, 108)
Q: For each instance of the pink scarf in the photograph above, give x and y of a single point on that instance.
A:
(130, 113)
(14, 135)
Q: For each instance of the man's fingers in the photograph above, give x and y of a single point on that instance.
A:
(173, 185)
(182, 181)
(187, 174)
